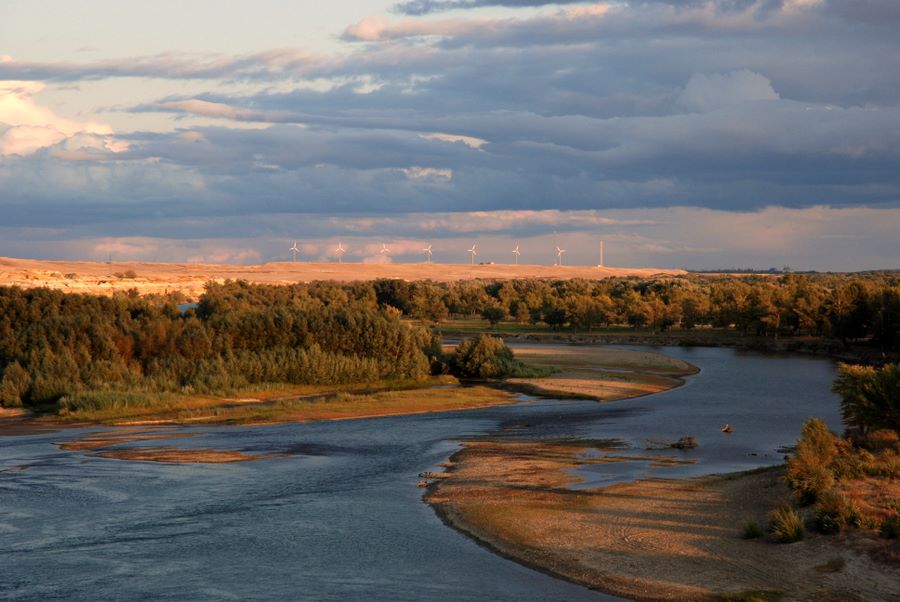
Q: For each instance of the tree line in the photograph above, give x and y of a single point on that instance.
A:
(54, 344)
(849, 308)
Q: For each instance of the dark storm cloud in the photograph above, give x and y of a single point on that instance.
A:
(725, 105)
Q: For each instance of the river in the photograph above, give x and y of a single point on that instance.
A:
(341, 518)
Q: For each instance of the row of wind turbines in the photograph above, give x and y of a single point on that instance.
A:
(427, 250)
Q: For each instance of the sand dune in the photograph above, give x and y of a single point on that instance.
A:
(100, 277)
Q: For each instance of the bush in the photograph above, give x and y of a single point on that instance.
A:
(751, 531)
(835, 512)
(93, 401)
(786, 525)
(881, 440)
(809, 472)
(483, 357)
(890, 527)
(14, 385)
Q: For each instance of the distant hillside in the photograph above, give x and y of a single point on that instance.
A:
(100, 277)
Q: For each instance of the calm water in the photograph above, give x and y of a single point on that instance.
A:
(342, 519)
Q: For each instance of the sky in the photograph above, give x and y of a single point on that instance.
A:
(683, 133)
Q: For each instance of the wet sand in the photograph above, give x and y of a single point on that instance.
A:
(649, 540)
(598, 373)
(182, 456)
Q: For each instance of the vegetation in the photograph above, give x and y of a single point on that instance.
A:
(82, 352)
(786, 524)
(853, 481)
(870, 397)
(850, 309)
(67, 350)
(751, 531)
(488, 357)
(808, 472)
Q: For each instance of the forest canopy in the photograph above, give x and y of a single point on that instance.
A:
(54, 344)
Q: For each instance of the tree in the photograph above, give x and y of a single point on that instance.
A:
(870, 397)
(493, 313)
(14, 385)
(483, 357)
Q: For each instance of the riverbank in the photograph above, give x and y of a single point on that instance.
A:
(649, 540)
(597, 373)
(697, 337)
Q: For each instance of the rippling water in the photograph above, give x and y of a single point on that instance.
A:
(342, 519)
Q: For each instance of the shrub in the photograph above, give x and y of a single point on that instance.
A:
(483, 357)
(809, 473)
(890, 527)
(93, 401)
(881, 440)
(751, 531)
(14, 385)
(835, 512)
(786, 525)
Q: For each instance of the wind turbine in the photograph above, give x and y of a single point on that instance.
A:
(384, 249)
(559, 254)
(427, 251)
(340, 252)
(473, 252)
(516, 253)
(294, 250)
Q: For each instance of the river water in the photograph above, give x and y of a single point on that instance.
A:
(341, 518)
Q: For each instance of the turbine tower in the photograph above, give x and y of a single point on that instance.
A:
(601, 254)
(473, 253)
(340, 252)
(294, 250)
(516, 253)
(559, 254)
(427, 251)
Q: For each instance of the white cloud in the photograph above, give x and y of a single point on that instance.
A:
(26, 127)
(469, 141)
(705, 93)
(428, 173)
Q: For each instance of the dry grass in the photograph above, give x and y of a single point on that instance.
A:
(434, 395)
(97, 277)
(386, 403)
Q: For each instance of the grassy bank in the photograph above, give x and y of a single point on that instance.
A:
(280, 403)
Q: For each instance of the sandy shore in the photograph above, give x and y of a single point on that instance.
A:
(597, 372)
(649, 540)
(106, 278)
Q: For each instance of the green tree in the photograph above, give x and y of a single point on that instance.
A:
(483, 357)
(870, 397)
(14, 385)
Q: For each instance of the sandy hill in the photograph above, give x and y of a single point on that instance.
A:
(98, 277)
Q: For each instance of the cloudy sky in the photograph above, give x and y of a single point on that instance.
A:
(683, 133)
